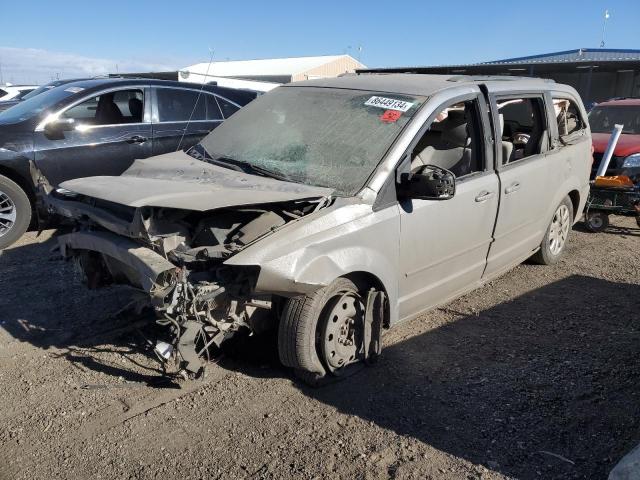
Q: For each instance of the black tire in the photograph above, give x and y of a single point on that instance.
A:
(13, 199)
(550, 253)
(596, 221)
(299, 333)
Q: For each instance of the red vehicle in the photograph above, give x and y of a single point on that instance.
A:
(626, 156)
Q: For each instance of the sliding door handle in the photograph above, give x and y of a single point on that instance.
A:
(514, 187)
(484, 196)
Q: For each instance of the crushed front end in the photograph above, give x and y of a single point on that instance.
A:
(177, 258)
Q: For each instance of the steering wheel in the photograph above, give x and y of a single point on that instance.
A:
(521, 138)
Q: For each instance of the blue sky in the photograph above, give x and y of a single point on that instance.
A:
(69, 36)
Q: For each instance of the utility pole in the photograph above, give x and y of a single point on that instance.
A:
(604, 26)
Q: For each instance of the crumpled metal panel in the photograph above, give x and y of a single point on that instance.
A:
(149, 265)
(316, 250)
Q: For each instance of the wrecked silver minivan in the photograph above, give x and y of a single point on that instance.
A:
(332, 209)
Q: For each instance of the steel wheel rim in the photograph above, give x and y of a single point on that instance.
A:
(342, 333)
(596, 221)
(8, 213)
(559, 230)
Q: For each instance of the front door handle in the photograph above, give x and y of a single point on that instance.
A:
(484, 196)
(514, 187)
(136, 139)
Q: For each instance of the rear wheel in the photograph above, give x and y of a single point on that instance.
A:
(15, 212)
(557, 235)
(321, 335)
(596, 221)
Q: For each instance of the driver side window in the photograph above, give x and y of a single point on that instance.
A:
(112, 108)
(453, 141)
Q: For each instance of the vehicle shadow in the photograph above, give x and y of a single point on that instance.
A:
(45, 303)
(612, 229)
(543, 386)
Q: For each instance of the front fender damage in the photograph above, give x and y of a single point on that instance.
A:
(177, 258)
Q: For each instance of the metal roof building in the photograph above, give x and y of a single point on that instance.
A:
(597, 73)
(278, 70)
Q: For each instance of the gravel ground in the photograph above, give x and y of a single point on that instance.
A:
(534, 375)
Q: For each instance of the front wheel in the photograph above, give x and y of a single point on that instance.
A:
(15, 212)
(321, 335)
(555, 239)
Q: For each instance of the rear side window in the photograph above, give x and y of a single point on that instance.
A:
(227, 107)
(523, 128)
(175, 105)
(568, 118)
(2, 93)
(213, 108)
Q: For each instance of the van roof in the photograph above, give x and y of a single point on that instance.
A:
(426, 85)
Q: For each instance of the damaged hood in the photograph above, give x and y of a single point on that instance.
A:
(177, 180)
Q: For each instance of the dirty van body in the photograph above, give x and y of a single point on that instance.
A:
(333, 209)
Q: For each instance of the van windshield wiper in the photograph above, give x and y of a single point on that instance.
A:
(268, 173)
(238, 165)
(200, 153)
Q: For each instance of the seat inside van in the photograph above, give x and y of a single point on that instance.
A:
(449, 143)
(523, 129)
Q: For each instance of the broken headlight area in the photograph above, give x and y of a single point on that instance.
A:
(177, 258)
(203, 313)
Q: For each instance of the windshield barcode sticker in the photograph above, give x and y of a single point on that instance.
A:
(389, 104)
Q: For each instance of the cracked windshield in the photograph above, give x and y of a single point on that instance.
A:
(318, 136)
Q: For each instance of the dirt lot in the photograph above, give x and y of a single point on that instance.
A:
(536, 375)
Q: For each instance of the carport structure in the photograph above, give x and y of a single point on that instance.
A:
(597, 73)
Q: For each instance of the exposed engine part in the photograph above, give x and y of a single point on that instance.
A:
(204, 315)
(164, 350)
(177, 258)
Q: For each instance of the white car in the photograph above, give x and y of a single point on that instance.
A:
(15, 92)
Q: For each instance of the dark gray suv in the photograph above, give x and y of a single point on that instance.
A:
(98, 127)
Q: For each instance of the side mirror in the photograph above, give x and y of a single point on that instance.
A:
(428, 183)
(56, 128)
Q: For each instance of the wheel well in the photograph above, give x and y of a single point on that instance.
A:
(365, 281)
(574, 195)
(21, 181)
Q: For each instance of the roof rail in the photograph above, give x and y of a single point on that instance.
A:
(506, 78)
(454, 78)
